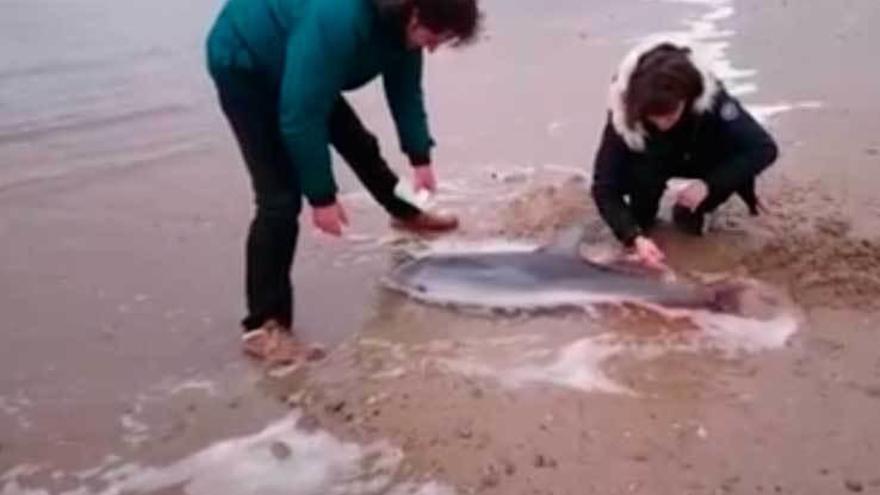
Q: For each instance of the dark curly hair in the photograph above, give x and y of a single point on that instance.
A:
(664, 77)
(462, 18)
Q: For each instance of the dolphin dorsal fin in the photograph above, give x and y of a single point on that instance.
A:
(567, 242)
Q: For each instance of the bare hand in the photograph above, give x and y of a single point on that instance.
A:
(693, 195)
(649, 254)
(330, 219)
(423, 178)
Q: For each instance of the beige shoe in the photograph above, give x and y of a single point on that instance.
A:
(284, 349)
(287, 350)
(255, 342)
(263, 341)
(278, 346)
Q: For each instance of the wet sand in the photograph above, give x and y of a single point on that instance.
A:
(121, 294)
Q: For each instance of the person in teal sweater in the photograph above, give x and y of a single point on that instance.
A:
(280, 68)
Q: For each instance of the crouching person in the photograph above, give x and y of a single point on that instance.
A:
(670, 117)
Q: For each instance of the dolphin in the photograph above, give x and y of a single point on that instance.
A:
(546, 278)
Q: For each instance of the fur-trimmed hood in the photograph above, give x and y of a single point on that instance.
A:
(635, 136)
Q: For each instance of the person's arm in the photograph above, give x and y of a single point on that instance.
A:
(403, 91)
(318, 53)
(608, 188)
(608, 192)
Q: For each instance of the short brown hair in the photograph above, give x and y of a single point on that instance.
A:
(461, 18)
(664, 77)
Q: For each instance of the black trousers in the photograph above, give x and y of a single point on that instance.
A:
(250, 102)
(647, 189)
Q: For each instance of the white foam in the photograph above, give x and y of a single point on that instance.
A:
(736, 334)
(511, 173)
(280, 459)
(206, 386)
(763, 113)
(554, 127)
(704, 30)
(389, 374)
(429, 488)
(135, 431)
(566, 170)
(14, 488)
(721, 13)
(16, 407)
(575, 365)
(11, 480)
(579, 364)
(22, 470)
(463, 247)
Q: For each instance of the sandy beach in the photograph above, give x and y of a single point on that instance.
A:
(124, 208)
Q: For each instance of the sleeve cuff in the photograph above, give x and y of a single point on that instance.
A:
(322, 201)
(629, 240)
(420, 159)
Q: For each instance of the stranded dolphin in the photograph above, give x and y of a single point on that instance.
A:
(544, 278)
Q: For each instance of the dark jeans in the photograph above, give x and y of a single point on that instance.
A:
(250, 103)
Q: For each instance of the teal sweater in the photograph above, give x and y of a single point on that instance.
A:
(314, 50)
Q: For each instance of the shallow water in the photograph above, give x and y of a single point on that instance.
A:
(132, 377)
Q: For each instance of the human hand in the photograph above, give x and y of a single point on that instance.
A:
(423, 178)
(648, 254)
(330, 219)
(693, 194)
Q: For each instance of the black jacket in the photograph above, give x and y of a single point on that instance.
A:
(716, 140)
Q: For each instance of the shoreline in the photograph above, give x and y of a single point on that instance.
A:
(139, 350)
